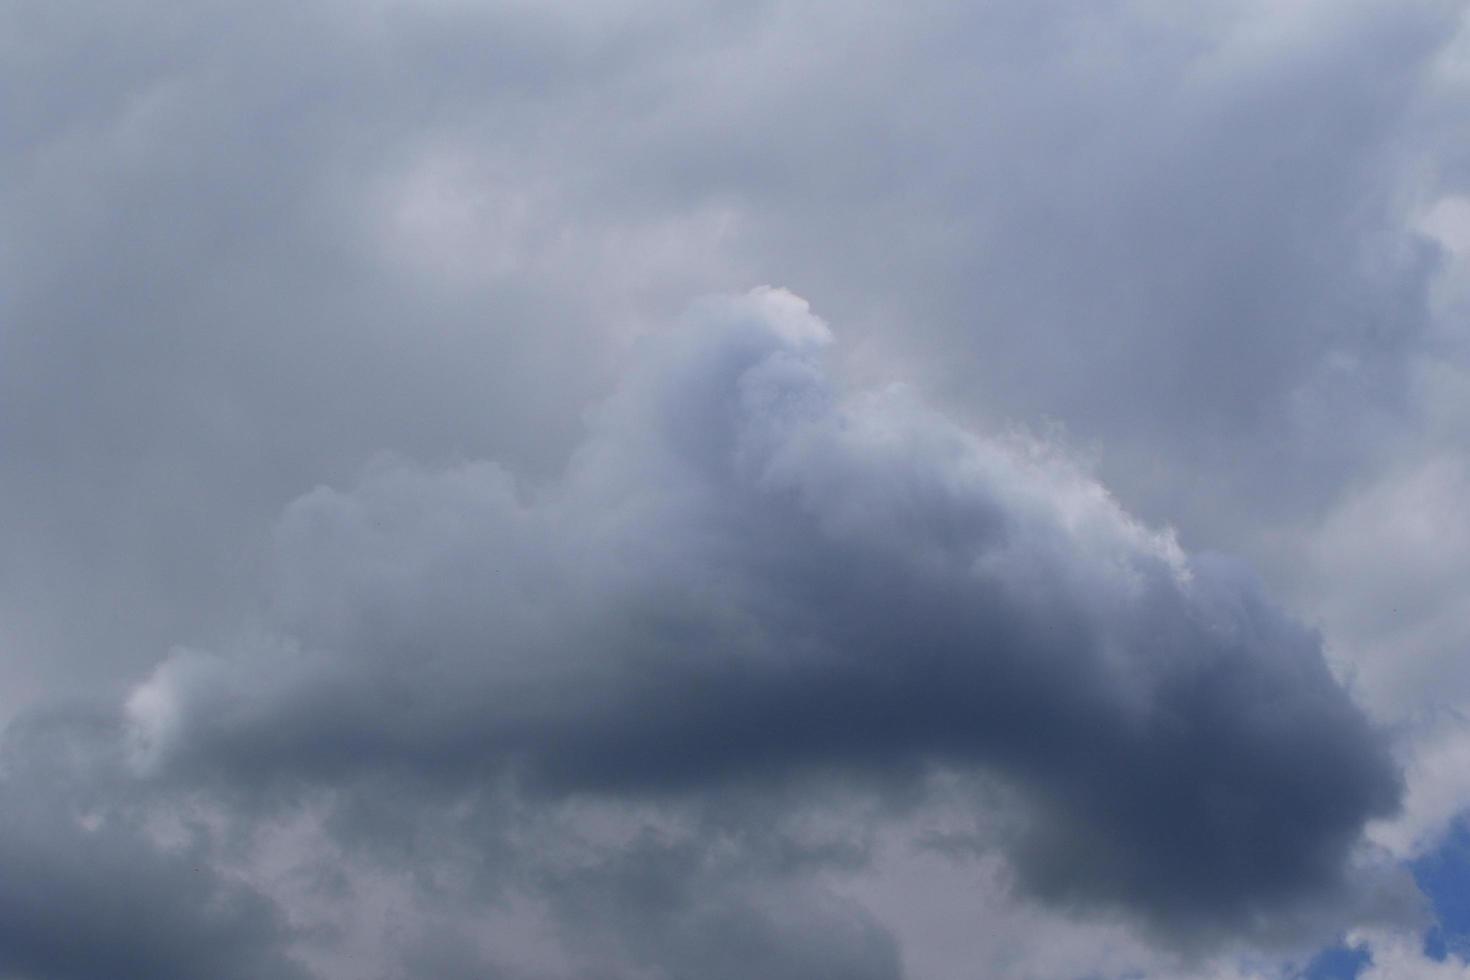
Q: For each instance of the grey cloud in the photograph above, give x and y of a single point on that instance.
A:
(90, 891)
(205, 309)
(675, 909)
(1219, 214)
(243, 249)
(748, 573)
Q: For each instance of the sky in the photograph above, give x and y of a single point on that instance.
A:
(635, 490)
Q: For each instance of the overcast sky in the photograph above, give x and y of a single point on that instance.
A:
(637, 490)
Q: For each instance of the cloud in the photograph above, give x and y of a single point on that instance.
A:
(1394, 956)
(100, 883)
(1220, 250)
(750, 573)
(254, 248)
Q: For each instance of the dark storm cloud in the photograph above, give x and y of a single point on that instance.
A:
(749, 573)
(91, 892)
(245, 248)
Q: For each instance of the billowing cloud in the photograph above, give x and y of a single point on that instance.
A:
(754, 653)
(750, 573)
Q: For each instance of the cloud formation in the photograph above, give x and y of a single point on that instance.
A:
(105, 880)
(750, 573)
(762, 649)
